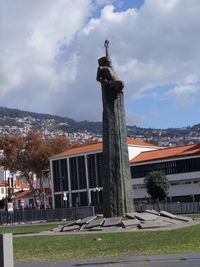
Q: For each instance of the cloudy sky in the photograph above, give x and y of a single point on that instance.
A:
(49, 51)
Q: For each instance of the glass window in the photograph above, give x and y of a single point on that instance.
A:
(77, 172)
(60, 175)
(170, 167)
(94, 162)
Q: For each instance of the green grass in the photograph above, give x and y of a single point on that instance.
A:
(15, 230)
(112, 245)
(194, 216)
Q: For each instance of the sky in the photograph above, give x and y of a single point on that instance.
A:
(49, 51)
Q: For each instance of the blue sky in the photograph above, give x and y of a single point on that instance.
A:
(124, 5)
(49, 51)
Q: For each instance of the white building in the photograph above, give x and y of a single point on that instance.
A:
(4, 174)
(25, 199)
(182, 168)
(3, 191)
(76, 173)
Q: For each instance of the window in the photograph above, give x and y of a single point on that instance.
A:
(60, 175)
(56, 176)
(77, 173)
(2, 190)
(79, 199)
(170, 167)
(94, 162)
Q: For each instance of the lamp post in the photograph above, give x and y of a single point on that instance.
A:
(43, 189)
(97, 190)
(61, 189)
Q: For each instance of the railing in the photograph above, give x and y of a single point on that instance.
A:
(176, 208)
(46, 215)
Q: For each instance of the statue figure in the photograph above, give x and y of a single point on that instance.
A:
(117, 190)
(106, 73)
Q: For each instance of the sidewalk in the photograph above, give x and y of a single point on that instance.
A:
(175, 260)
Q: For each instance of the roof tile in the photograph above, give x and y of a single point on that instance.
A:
(165, 153)
(98, 146)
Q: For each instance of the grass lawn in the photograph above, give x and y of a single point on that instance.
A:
(15, 230)
(112, 244)
(194, 216)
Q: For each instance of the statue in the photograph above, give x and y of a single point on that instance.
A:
(106, 73)
(117, 190)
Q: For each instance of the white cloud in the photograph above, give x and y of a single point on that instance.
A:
(33, 34)
(184, 95)
(49, 51)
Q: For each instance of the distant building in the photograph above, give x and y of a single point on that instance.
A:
(3, 191)
(11, 183)
(4, 174)
(25, 199)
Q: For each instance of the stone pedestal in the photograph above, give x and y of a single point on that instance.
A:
(6, 250)
(117, 190)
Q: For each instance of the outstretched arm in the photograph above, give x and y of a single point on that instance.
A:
(106, 44)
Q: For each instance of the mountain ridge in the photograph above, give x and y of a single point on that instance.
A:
(16, 121)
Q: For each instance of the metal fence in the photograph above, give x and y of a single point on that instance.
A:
(176, 208)
(46, 215)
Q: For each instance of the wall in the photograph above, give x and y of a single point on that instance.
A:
(2, 194)
(133, 151)
(185, 186)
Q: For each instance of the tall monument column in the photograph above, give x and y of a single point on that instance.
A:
(117, 190)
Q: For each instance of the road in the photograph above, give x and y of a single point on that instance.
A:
(175, 260)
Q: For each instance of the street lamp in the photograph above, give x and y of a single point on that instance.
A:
(43, 189)
(97, 190)
(61, 189)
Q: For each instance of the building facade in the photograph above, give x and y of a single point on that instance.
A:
(181, 166)
(76, 174)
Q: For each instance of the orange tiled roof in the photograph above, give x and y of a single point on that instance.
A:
(135, 142)
(19, 184)
(164, 153)
(28, 193)
(24, 186)
(15, 182)
(24, 194)
(4, 183)
(98, 146)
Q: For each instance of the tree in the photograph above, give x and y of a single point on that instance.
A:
(157, 185)
(11, 145)
(30, 155)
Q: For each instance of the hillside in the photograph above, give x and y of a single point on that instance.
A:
(15, 121)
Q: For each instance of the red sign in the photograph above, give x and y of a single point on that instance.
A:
(21, 200)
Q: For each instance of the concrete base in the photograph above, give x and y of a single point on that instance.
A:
(6, 250)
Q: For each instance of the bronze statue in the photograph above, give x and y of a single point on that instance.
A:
(106, 73)
(117, 190)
